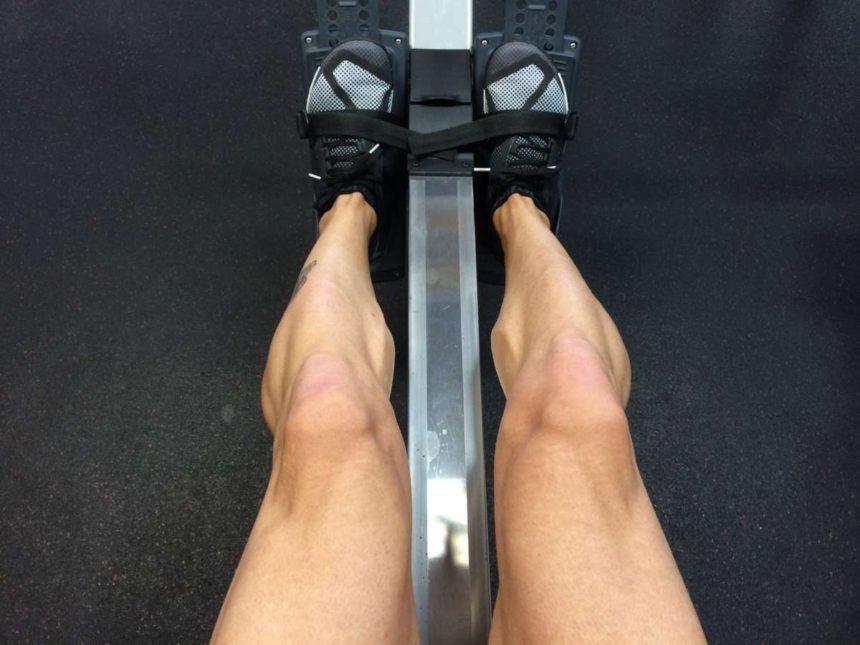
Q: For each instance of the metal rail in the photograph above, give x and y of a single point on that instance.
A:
(449, 530)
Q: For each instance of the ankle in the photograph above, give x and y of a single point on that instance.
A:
(516, 212)
(352, 209)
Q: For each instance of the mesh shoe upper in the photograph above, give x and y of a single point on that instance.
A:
(357, 75)
(520, 77)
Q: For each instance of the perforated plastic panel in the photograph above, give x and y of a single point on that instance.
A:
(540, 23)
(341, 19)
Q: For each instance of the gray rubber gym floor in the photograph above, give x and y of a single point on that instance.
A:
(154, 218)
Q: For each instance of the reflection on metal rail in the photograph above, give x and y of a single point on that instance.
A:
(449, 546)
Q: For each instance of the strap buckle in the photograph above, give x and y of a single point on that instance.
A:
(570, 125)
(302, 124)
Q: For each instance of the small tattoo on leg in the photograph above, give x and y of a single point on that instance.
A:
(303, 277)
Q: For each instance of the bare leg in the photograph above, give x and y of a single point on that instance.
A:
(328, 557)
(581, 554)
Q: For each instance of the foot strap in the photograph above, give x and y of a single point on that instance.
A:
(379, 127)
(375, 126)
(494, 126)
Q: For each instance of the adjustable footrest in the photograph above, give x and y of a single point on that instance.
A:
(341, 20)
(540, 23)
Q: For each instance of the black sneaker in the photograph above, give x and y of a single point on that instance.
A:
(519, 77)
(357, 76)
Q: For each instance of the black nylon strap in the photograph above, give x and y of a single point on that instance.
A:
(501, 124)
(375, 126)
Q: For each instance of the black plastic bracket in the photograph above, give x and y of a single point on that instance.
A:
(441, 76)
(440, 97)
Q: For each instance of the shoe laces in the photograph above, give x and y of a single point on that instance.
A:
(345, 160)
(529, 152)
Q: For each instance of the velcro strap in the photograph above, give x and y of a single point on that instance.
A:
(494, 126)
(375, 126)
(379, 127)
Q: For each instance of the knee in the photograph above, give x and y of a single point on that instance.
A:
(568, 421)
(328, 396)
(369, 341)
(334, 415)
(570, 375)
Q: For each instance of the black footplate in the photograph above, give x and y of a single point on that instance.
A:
(542, 24)
(341, 20)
